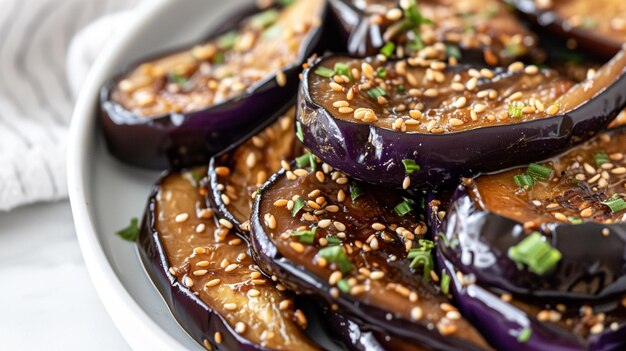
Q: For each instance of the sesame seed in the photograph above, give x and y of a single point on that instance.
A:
(346, 110)
(460, 102)
(324, 223)
(181, 217)
(300, 172)
(619, 170)
(415, 114)
(225, 199)
(281, 79)
(560, 217)
(230, 306)
(200, 228)
(231, 267)
(455, 122)
(531, 69)
(240, 327)
(358, 289)
(552, 110)
(416, 313)
(515, 96)
(253, 293)
(200, 272)
(218, 337)
(280, 203)
(589, 169)
(270, 220)
(225, 223)
(188, 282)
(202, 263)
(368, 70)
(285, 305)
(334, 277)
(378, 226)
(586, 212)
(340, 226)
(341, 195)
(222, 171)
(516, 67)
(297, 247)
(431, 92)
(332, 208)
(225, 262)
(406, 183)
(471, 83)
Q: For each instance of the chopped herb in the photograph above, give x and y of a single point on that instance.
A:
(324, 72)
(413, 15)
(575, 220)
(515, 49)
(306, 160)
(515, 109)
(524, 335)
(601, 158)
(337, 255)
(227, 41)
(453, 51)
(285, 2)
(333, 240)
(536, 253)
(416, 44)
(539, 172)
(299, 132)
(524, 181)
(589, 23)
(218, 58)
(343, 285)
(404, 207)
(375, 92)
(492, 11)
(615, 203)
(381, 72)
(401, 88)
(388, 49)
(425, 260)
(177, 78)
(264, 19)
(445, 283)
(297, 206)
(342, 69)
(410, 166)
(355, 191)
(130, 233)
(306, 236)
(272, 32)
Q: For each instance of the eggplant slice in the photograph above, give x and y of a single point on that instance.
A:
(238, 172)
(320, 233)
(367, 117)
(482, 29)
(599, 27)
(576, 202)
(180, 108)
(207, 277)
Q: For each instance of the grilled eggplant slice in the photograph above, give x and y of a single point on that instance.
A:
(320, 233)
(181, 108)
(238, 172)
(423, 122)
(573, 204)
(469, 28)
(599, 27)
(207, 277)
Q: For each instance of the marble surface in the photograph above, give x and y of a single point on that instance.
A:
(48, 301)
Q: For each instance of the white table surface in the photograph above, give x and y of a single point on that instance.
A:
(47, 300)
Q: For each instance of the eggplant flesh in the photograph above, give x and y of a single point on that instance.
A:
(486, 30)
(238, 172)
(207, 277)
(599, 27)
(180, 109)
(357, 128)
(371, 281)
(491, 214)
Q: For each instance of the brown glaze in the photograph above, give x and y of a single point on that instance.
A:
(575, 192)
(199, 253)
(216, 71)
(440, 99)
(374, 238)
(606, 18)
(241, 171)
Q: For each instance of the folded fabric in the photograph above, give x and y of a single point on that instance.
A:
(36, 97)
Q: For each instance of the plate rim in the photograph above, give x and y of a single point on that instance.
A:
(139, 330)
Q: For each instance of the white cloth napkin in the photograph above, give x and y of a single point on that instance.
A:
(41, 69)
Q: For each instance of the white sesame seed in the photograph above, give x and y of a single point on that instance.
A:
(181, 217)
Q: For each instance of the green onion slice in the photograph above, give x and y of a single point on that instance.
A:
(306, 236)
(536, 253)
(297, 206)
(337, 255)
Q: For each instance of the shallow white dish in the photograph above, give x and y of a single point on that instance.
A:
(105, 193)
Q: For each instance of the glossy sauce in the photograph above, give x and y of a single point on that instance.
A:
(604, 17)
(198, 257)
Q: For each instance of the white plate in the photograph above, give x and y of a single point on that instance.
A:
(105, 194)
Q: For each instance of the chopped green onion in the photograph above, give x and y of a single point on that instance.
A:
(324, 72)
(524, 181)
(589, 23)
(305, 236)
(416, 44)
(219, 58)
(177, 78)
(375, 92)
(515, 109)
(342, 69)
(355, 191)
(575, 220)
(343, 285)
(297, 206)
(337, 255)
(514, 49)
(601, 158)
(615, 203)
(539, 172)
(381, 72)
(299, 132)
(388, 49)
(264, 19)
(227, 41)
(453, 51)
(306, 160)
(130, 233)
(404, 207)
(410, 166)
(424, 246)
(272, 32)
(445, 283)
(536, 253)
(492, 11)
(524, 335)
(285, 2)
(333, 240)
(401, 88)
(425, 260)
(414, 16)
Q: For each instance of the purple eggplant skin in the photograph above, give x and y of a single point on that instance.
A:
(298, 278)
(196, 317)
(592, 43)
(365, 151)
(584, 274)
(501, 322)
(179, 140)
